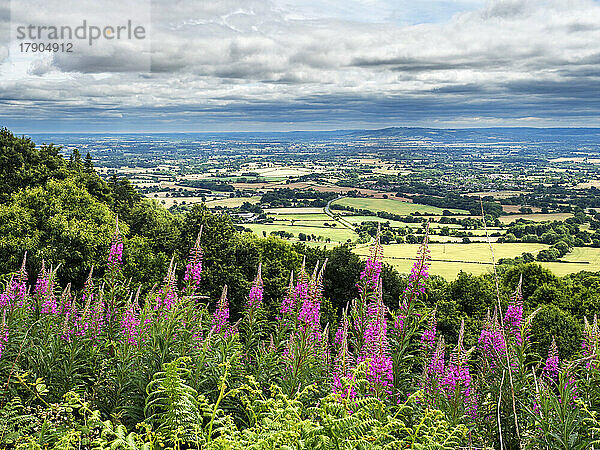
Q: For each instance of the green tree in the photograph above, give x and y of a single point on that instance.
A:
(23, 165)
(59, 222)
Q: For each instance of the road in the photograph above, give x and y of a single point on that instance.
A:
(343, 222)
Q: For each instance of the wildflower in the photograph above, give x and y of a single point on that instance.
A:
(221, 315)
(590, 343)
(369, 277)
(513, 317)
(419, 273)
(456, 383)
(428, 336)
(491, 341)
(302, 287)
(3, 333)
(309, 315)
(344, 361)
(115, 255)
(167, 295)
(193, 270)
(376, 347)
(551, 368)
(288, 304)
(96, 320)
(44, 289)
(435, 369)
(130, 322)
(69, 310)
(16, 288)
(570, 388)
(256, 291)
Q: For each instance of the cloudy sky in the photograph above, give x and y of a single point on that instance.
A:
(254, 65)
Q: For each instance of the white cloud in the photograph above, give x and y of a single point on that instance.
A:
(233, 55)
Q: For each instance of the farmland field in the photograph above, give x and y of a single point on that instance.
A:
(583, 254)
(359, 219)
(474, 258)
(288, 211)
(233, 202)
(338, 234)
(535, 217)
(393, 206)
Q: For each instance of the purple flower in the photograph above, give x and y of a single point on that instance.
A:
(590, 343)
(167, 295)
(343, 364)
(256, 291)
(97, 317)
(428, 336)
(287, 310)
(513, 318)
(376, 347)
(491, 342)
(3, 333)
(193, 270)
(419, 273)
(115, 255)
(452, 380)
(130, 323)
(551, 369)
(571, 389)
(435, 369)
(369, 277)
(16, 288)
(311, 295)
(44, 290)
(221, 315)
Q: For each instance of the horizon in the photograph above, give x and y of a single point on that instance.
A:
(338, 130)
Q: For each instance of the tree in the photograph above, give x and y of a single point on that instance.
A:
(60, 223)
(533, 274)
(88, 165)
(23, 165)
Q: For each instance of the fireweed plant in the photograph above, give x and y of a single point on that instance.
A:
(112, 366)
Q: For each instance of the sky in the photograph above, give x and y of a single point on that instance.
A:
(279, 65)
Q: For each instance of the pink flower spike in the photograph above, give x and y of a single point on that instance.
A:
(255, 297)
(193, 270)
(221, 315)
(115, 255)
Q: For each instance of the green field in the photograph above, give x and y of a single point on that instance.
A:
(393, 206)
(583, 254)
(338, 234)
(474, 258)
(233, 202)
(307, 216)
(537, 217)
(357, 220)
(288, 211)
(401, 256)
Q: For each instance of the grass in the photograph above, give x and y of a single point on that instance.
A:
(308, 216)
(475, 254)
(233, 202)
(466, 257)
(536, 217)
(393, 206)
(356, 220)
(338, 234)
(289, 211)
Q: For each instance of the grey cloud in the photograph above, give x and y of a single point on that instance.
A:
(263, 61)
